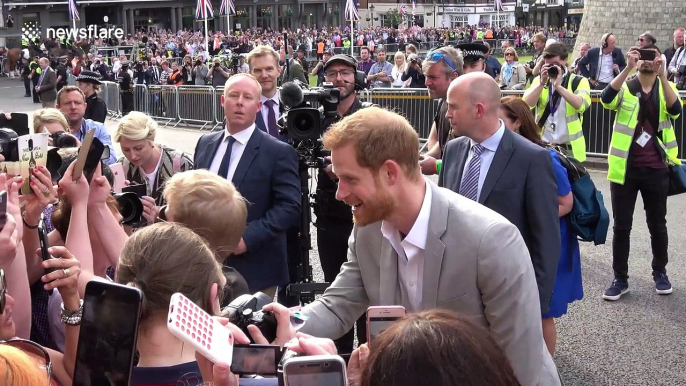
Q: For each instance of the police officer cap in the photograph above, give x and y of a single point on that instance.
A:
(341, 58)
(471, 52)
(89, 77)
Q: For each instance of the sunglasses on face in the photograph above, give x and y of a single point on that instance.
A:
(35, 351)
(438, 56)
(509, 54)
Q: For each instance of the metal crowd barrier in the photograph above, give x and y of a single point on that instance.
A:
(201, 107)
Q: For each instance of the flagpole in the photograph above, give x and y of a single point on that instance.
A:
(228, 23)
(206, 36)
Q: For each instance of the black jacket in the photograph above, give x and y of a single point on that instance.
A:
(95, 109)
(588, 65)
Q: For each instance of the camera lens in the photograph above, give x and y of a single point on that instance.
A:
(553, 71)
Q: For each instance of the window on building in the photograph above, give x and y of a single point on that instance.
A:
(419, 20)
(500, 19)
(458, 21)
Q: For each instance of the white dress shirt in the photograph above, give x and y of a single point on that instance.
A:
(605, 71)
(560, 135)
(490, 146)
(411, 253)
(265, 110)
(242, 138)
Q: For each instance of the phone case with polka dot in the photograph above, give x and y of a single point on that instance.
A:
(196, 327)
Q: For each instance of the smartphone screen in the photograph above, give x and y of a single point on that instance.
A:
(380, 324)
(255, 359)
(314, 371)
(107, 340)
(93, 159)
(44, 245)
(3, 208)
(646, 54)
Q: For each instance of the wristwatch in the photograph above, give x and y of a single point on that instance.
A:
(72, 317)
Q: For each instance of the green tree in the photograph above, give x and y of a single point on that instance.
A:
(393, 18)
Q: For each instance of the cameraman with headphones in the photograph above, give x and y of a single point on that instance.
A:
(334, 218)
(601, 65)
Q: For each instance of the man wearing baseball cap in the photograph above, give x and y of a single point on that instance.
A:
(318, 70)
(334, 218)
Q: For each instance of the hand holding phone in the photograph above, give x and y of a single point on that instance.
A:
(44, 244)
(315, 370)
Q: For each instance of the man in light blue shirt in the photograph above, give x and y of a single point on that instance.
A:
(71, 101)
(380, 73)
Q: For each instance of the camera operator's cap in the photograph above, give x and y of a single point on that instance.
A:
(89, 77)
(471, 52)
(341, 58)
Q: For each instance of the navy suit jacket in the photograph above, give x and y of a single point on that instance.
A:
(588, 65)
(521, 186)
(267, 177)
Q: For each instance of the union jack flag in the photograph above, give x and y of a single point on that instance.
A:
(231, 8)
(403, 10)
(351, 12)
(73, 10)
(203, 10)
(499, 5)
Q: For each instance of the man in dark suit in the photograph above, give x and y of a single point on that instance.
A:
(504, 172)
(265, 172)
(602, 64)
(47, 83)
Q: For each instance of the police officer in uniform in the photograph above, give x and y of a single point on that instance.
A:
(61, 71)
(125, 80)
(89, 83)
(35, 76)
(25, 73)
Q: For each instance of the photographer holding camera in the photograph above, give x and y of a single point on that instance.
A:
(643, 144)
(413, 70)
(218, 73)
(560, 98)
(318, 70)
(200, 71)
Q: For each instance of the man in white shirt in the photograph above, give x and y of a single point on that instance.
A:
(265, 171)
(423, 247)
(263, 63)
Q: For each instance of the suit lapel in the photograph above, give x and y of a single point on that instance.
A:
(388, 283)
(500, 160)
(249, 154)
(462, 155)
(213, 145)
(259, 122)
(438, 223)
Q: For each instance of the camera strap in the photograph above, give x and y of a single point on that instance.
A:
(554, 98)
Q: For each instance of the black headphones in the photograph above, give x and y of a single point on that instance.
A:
(605, 37)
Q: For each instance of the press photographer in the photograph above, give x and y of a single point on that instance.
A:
(414, 71)
(561, 98)
(318, 70)
(218, 73)
(200, 71)
(677, 65)
(125, 80)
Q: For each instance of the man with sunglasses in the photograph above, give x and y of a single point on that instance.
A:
(440, 67)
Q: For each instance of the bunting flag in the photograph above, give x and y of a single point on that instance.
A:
(499, 5)
(351, 12)
(203, 10)
(231, 8)
(73, 10)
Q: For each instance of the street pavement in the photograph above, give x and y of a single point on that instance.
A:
(638, 340)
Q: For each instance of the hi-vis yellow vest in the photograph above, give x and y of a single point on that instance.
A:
(573, 116)
(627, 107)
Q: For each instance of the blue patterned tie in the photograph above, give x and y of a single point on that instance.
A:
(470, 182)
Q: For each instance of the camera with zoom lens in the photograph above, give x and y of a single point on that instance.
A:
(130, 205)
(553, 70)
(531, 64)
(247, 309)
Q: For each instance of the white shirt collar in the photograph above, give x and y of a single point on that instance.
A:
(242, 136)
(275, 98)
(420, 228)
(494, 140)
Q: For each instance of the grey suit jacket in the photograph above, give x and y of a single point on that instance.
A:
(521, 186)
(476, 264)
(48, 93)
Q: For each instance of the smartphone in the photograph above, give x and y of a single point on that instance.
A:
(107, 339)
(119, 177)
(646, 54)
(315, 370)
(380, 318)
(260, 359)
(18, 122)
(3, 208)
(93, 158)
(44, 245)
(83, 154)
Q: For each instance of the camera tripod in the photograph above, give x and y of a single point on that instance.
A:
(305, 288)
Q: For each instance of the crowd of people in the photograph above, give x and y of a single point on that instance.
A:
(224, 221)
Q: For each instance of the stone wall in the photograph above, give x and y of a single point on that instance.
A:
(627, 19)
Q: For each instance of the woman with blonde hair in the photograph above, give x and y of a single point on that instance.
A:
(512, 74)
(18, 369)
(146, 162)
(400, 64)
(52, 121)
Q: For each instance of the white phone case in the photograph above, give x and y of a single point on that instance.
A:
(196, 327)
(119, 177)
